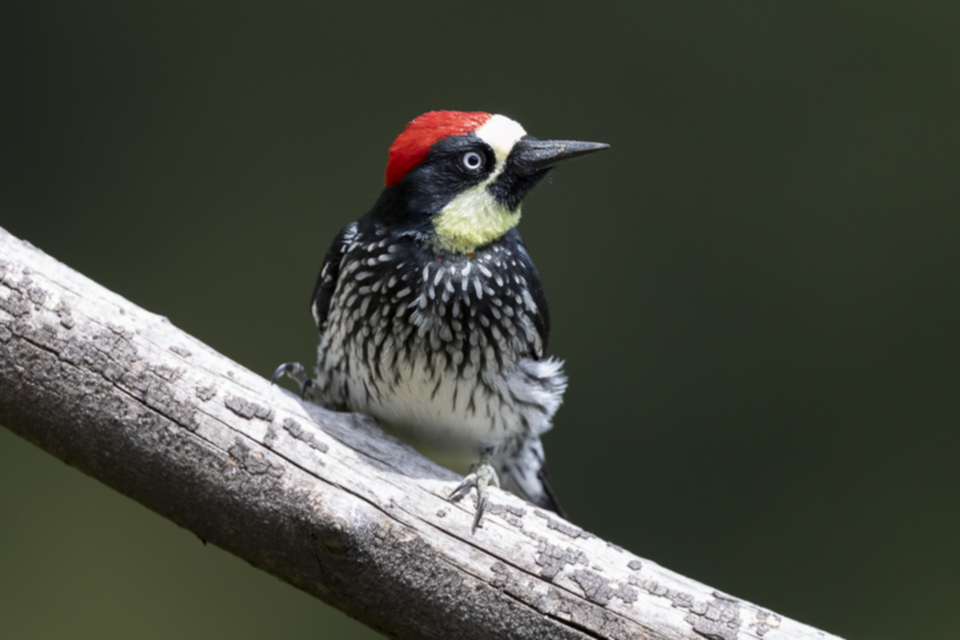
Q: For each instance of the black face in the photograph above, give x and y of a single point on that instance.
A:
(458, 163)
(518, 176)
(453, 165)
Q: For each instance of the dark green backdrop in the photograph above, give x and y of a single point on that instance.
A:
(755, 290)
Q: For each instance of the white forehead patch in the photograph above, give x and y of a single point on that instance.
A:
(501, 133)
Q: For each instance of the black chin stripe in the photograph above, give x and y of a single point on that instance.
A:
(511, 186)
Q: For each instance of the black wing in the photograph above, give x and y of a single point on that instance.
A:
(541, 320)
(329, 274)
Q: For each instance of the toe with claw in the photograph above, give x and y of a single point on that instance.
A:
(481, 476)
(294, 371)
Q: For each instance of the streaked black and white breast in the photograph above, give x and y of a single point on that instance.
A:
(444, 348)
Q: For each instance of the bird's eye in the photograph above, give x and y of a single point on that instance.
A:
(472, 161)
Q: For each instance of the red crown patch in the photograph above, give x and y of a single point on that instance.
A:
(413, 145)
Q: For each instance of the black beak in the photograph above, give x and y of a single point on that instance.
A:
(533, 156)
(529, 161)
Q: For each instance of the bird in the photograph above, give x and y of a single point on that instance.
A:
(432, 316)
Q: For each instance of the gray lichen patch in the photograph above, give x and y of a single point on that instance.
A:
(598, 590)
(718, 619)
(563, 527)
(251, 461)
(509, 513)
(15, 303)
(206, 393)
(45, 336)
(271, 436)
(514, 510)
(552, 559)
(37, 296)
(108, 352)
(293, 427)
(152, 385)
(679, 599)
(65, 315)
(180, 351)
(765, 622)
(248, 410)
(170, 374)
(562, 605)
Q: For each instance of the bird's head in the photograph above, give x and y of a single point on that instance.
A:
(461, 176)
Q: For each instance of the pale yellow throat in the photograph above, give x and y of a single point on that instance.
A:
(472, 219)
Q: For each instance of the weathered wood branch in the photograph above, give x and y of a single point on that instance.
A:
(322, 500)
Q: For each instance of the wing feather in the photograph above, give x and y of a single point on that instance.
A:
(541, 319)
(330, 275)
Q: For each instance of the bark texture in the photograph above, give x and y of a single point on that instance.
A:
(323, 500)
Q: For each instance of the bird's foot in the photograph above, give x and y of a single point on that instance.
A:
(481, 476)
(294, 370)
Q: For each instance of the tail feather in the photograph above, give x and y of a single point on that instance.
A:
(525, 474)
(549, 496)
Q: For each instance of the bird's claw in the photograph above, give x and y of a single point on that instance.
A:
(294, 370)
(481, 476)
(306, 386)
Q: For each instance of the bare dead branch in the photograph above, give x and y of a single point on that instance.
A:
(322, 500)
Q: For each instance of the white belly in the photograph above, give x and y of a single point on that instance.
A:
(452, 415)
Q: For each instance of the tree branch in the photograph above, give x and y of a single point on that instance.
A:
(322, 500)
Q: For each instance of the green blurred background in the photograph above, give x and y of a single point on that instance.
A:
(755, 290)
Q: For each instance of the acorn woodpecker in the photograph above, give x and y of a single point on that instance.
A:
(431, 314)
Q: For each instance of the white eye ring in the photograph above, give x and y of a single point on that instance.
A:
(472, 161)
